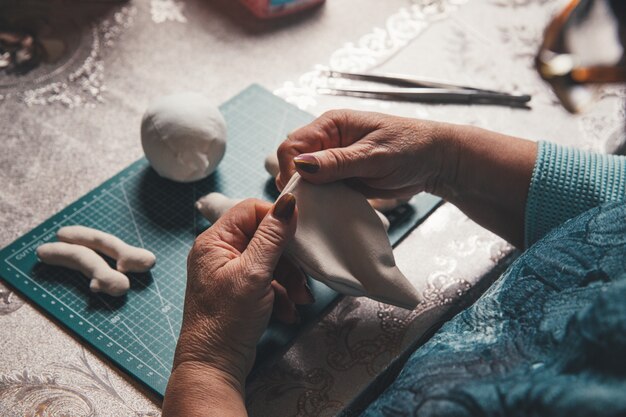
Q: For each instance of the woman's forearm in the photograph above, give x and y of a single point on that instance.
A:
(487, 175)
(196, 390)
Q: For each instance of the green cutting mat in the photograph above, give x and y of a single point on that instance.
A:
(139, 331)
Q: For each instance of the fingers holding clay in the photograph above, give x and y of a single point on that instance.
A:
(86, 261)
(380, 205)
(129, 258)
(183, 136)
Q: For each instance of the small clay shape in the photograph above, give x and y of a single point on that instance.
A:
(213, 205)
(128, 258)
(86, 261)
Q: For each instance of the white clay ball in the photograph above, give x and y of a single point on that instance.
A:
(183, 136)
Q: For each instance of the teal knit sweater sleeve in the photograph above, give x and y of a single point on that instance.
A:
(567, 182)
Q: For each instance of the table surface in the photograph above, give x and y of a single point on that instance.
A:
(65, 134)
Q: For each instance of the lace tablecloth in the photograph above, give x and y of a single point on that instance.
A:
(69, 129)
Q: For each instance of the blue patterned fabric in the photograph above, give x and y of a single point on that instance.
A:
(567, 182)
(547, 339)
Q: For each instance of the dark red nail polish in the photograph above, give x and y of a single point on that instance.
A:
(307, 163)
(284, 207)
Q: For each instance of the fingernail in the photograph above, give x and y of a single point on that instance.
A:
(284, 207)
(307, 163)
(309, 293)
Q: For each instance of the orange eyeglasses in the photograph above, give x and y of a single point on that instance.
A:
(583, 47)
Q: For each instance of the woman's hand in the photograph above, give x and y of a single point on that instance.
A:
(383, 156)
(235, 276)
(484, 173)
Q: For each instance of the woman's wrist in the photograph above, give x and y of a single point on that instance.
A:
(445, 155)
(201, 345)
(473, 162)
(209, 372)
(197, 389)
(487, 175)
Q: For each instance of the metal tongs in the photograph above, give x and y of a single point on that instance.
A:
(420, 90)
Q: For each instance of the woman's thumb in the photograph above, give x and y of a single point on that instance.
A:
(272, 236)
(333, 164)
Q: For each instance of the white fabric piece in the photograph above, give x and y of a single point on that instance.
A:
(183, 136)
(339, 241)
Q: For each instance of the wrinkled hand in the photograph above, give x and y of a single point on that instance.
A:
(382, 156)
(485, 174)
(236, 277)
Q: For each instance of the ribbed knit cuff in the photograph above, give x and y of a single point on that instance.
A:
(567, 182)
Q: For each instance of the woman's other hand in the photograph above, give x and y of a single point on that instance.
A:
(235, 276)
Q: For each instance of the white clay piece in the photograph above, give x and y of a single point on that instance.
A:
(213, 205)
(183, 136)
(86, 261)
(128, 258)
(78, 248)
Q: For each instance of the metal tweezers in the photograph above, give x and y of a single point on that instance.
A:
(421, 90)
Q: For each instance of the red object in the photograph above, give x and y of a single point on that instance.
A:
(266, 9)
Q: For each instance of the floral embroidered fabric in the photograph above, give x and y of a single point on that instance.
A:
(546, 339)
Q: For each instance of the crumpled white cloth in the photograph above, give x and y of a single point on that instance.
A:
(340, 241)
